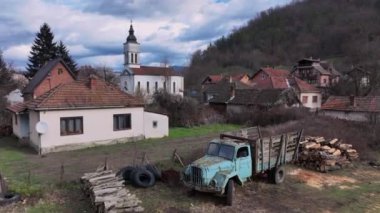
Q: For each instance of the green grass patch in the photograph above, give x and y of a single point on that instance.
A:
(45, 208)
(182, 132)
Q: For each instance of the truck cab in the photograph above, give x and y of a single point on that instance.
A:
(225, 159)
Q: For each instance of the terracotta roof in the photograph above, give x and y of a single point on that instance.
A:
(212, 79)
(344, 103)
(41, 74)
(275, 72)
(222, 90)
(17, 108)
(79, 94)
(284, 82)
(302, 86)
(145, 70)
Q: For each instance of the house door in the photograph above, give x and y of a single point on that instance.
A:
(24, 125)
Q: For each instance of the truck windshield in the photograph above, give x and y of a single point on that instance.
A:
(221, 150)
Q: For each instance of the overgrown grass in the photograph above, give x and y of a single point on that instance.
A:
(181, 132)
(15, 168)
(45, 208)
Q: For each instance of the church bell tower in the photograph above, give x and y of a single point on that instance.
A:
(131, 50)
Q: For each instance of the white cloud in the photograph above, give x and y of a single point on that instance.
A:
(19, 52)
(95, 30)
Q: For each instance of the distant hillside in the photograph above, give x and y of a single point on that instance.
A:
(346, 32)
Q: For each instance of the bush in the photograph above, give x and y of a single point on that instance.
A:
(182, 111)
(273, 116)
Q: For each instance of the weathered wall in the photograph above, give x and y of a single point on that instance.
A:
(53, 80)
(353, 116)
(97, 128)
(162, 125)
(34, 137)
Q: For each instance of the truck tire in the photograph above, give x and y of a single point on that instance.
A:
(154, 170)
(278, 175)
(230, 191)
(143, 178)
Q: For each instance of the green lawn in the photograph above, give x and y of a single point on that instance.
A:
(181, 132)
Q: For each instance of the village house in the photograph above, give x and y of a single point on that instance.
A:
(321, 74)
(359, 77)
(213, 79)
(146, 80)
(270, 78)
(353, 108)
(62, 113)
(222, 88)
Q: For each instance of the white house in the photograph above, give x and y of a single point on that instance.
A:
(79, 114)
(146, 79)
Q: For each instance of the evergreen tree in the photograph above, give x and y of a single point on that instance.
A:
(43, 50)
(63, 53)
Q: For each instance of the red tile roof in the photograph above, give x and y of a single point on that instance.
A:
(344, 103)
(17, 108)
(283, 82)
(145, 70)
(212, 79)
(301, 85)
(79, 94)
(275, 72)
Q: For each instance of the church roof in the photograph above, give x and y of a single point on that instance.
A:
(131, 37)
(147, 70)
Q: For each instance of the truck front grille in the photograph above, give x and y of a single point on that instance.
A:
(196, 175)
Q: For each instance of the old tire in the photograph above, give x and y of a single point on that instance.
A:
(125, 172)
(143, 178)
(9, 198)
(230, 191)
(278, 175)
(154, 170)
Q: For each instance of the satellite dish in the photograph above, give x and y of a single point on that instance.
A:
(41, 127)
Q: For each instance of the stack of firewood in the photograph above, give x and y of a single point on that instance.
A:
(326, 155)
(108, 193)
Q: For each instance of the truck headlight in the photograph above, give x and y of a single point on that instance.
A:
(213, 183)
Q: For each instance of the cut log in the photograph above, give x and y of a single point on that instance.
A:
(331, 150)
(345, 146)
(333, 141)
(337, 153)
(325, 147)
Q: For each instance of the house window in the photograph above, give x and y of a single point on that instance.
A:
(121, 122)
(304, 99)
(60, 71)
(315, 99)
(138, 85)
(262, 76)
(126, 85)
(154, 124)
(71, 126)
(173, 87)
(156, 86)
(165, 86)
(324, 81)
(147, 87)
(136, 58)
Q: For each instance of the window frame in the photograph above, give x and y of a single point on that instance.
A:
(174, 87)
(128, 122)
(66, 119)
(147, 87)
(305, 99)
(314, 99)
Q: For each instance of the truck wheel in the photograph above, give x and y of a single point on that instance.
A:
(278, 175)
(230, 192)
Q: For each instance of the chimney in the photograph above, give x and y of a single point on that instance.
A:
(93, 80)
(232, 91)
(352, 101)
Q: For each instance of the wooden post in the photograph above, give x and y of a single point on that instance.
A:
(262, 154)
(62, 172)
(105, 164)
(270, 150)
(295, 157)
(3, 185)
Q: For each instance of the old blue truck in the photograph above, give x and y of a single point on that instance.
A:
(235, 157)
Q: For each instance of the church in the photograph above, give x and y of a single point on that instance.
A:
(146, 80)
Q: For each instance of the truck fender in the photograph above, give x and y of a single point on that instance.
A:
(232, 175)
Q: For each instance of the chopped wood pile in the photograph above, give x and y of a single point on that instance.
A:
(325, 155)
(108, 193)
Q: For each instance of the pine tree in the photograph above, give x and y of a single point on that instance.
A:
(43, 50)
(63, 53)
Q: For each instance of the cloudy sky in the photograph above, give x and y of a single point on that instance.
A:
(94, 30)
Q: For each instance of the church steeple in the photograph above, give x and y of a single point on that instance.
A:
(131, 50)
(131, 37)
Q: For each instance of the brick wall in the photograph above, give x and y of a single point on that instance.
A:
(57, 75)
